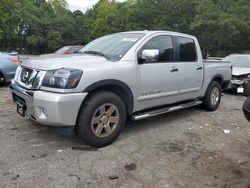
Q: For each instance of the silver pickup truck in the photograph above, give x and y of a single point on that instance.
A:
(131, 74)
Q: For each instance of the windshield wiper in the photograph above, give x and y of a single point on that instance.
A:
(97, 53)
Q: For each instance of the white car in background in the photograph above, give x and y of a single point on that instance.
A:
(240, 73)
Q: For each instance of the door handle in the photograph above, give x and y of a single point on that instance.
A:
(199, 68)
(174, 69)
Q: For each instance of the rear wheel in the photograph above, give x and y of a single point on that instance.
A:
(101, 119)
(212, 98)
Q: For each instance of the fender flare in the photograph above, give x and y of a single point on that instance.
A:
(123, 87)
(218, 76)
(214, 78)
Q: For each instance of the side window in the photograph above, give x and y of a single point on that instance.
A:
(186, 50)
(162, 43)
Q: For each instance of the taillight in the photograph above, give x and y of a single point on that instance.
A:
(14, 60)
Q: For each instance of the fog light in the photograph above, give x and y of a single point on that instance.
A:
(41, 113)
(45, 112)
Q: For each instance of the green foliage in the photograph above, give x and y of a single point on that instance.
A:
(39, 26)
(54, 39)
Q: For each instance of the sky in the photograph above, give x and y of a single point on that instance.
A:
(82, 5)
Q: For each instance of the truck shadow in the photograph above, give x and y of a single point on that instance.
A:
(131, 127)
(233, 93)
(161, 120)
(6, 84)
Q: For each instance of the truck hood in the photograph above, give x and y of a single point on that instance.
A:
(54, 61)
(239, 71)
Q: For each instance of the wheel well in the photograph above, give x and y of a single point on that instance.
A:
(219, 79)
(123, 93)
(224, 84)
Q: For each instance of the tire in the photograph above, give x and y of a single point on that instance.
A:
(247, 89)
(101, 119)
(212, 98)
(1, 79)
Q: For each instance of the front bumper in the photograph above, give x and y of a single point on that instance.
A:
(237, 83)
(49, 108)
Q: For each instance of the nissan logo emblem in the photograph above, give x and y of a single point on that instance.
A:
(25, 76)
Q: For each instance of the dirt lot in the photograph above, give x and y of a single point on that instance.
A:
(187, 148)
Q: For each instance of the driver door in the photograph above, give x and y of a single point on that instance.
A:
(157, 77)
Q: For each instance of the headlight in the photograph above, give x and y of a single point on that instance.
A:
(62, 78)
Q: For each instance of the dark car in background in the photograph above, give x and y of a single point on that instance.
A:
(8, 65)
(68, 50)
(240, 72)
(246, 109)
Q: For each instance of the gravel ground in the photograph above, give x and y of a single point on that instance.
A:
(185, 149)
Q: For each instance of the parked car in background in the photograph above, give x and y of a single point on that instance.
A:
(8, 66)
(132, 74)
(68, 50)
(64, 51)
(240, 72)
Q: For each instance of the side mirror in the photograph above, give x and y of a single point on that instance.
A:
(149, 55)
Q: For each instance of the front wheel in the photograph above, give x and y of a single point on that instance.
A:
(212, 98)
(101, 119)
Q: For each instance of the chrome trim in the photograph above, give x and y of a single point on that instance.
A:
(190, 90)
(147, 114)
(35, 80)
(155, 96)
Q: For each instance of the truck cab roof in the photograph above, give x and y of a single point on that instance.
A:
(151, 32)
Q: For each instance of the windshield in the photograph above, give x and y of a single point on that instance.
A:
(239, 61)
(113, 46)
(62, 50)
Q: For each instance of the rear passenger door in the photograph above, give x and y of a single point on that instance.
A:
(189, 78)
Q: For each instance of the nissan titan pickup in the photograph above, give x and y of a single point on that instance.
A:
(134, 75)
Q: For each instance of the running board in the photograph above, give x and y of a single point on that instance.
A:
(155, 112)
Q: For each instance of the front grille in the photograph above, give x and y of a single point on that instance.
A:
(29, 78)
(25, 75)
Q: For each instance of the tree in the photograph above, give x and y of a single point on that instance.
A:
(40, 26)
